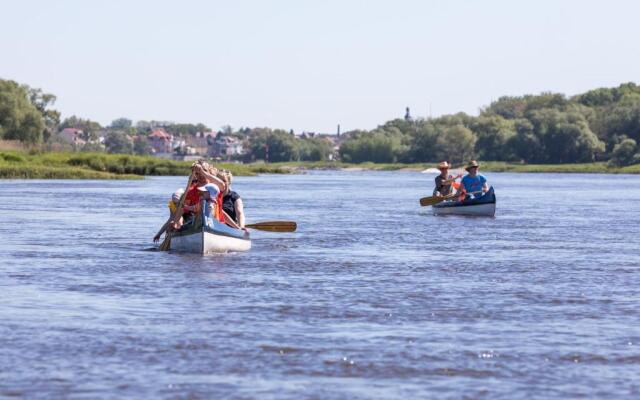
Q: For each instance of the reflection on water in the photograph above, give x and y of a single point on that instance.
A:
(372, 297)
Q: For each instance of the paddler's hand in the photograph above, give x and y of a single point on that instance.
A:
(156, 239)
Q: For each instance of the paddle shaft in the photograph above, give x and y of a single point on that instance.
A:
(166, 244)
(433, 200)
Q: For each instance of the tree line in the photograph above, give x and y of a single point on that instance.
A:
(27, 115)
(599, 125)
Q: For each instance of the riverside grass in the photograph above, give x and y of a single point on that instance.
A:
(23, 165)
(488, 166)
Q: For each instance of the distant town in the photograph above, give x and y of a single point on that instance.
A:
(222, 145)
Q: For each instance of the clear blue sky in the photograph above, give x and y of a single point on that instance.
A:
(309, 65)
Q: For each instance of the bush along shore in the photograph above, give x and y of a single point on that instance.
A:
(488, 166)
(22, 165)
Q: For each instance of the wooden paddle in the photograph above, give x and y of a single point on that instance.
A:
(433, 200)
(166, 244)
(274, 226)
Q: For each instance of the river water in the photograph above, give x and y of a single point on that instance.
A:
(373, 297)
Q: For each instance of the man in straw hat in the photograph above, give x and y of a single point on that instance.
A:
(473, 183)
(444, 181)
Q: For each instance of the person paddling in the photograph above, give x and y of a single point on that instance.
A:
(444, 181)
(472, 183)
(212, 191)
(173, 205)
(232, 202)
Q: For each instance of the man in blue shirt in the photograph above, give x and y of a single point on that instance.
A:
(472, 183)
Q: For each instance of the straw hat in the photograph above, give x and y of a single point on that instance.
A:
(444, 165)
(472, 164)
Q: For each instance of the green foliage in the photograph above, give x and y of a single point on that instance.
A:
(42, 101)
(279, 145)
(562, 137)
(118, 142)
(494, 135)
(141, 146)
(382, 145)
(121, 124)
(88, 127)
(12, 157)
(456, 144)
(20, 119)
(624, 153)
(185, 129)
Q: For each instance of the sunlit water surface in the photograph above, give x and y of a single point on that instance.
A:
(373, 297)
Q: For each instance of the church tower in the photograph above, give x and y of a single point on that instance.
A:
(407, 115)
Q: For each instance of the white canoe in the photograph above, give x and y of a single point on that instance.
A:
(213, 238)
(480, 206)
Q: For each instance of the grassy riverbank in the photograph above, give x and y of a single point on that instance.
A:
(21, 165)
(489, 166)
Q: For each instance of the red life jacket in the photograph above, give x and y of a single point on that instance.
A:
(192, 198)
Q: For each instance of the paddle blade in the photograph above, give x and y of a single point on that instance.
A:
(166, 243)
(429, 201)
(433, 200)
(274, 226)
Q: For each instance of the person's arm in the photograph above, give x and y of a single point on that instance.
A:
(229, 221)
(212, 178)
(450, 181)
(240, 212)
(485, 186)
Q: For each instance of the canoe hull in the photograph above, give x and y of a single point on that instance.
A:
(204, 242)
(488, 210)
(213, 237)
(482, 206)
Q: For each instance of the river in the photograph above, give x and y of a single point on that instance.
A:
(372, 297)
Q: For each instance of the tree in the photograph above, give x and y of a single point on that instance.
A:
(273, 146)
(121, 124)
(526, 145)
(118, 142)
(455, 144)
(423, 144)
(494, 134)
(380, 145)
(624, 118)
(42, 101)
(565, 137)
(20, 119)
(623, 153)
(141, 146)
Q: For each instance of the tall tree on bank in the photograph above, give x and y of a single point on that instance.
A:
(20, 119)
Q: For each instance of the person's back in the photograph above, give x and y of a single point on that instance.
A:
(229, 204)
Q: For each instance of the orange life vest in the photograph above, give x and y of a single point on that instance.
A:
(217, 211)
